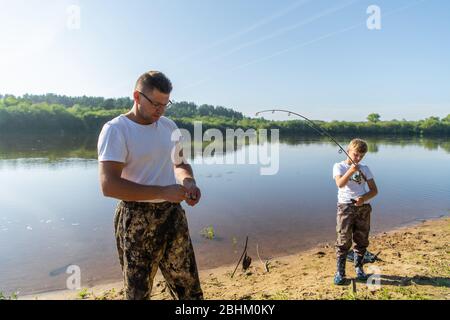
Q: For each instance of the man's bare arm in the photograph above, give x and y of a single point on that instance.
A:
(114, 186)
(184, 174)
(183, 171)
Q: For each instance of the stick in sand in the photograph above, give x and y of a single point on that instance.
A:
(245, 250)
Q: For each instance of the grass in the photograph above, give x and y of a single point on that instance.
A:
(383, 294)
(279, 295)
(349, 295)
(83, 294)
(397, 293)
(13, 296)
(410, 294)
(208, 233)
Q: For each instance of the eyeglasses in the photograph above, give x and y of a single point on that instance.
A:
(156, 105)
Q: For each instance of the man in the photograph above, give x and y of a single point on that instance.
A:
(135, 153)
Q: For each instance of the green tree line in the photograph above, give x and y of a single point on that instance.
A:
(58, 113)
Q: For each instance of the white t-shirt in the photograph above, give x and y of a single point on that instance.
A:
(146, 150)
(356, 185)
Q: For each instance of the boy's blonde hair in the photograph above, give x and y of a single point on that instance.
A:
(359, 145)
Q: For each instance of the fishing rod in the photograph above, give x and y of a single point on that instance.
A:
(316, 128)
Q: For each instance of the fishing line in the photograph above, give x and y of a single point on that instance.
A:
(312, 125)
(316, 128)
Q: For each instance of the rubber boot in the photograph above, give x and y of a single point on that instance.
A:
(360, 274)
(339, 277)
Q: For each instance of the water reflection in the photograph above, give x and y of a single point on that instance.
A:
(52, 148)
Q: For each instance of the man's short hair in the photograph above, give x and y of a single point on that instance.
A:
(153, 80)
(359, 145)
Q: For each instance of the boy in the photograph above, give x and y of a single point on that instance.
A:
(353, 209)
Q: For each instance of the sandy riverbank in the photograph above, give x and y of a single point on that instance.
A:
(415, 264)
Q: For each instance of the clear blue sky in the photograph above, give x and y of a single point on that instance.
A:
(315, 57)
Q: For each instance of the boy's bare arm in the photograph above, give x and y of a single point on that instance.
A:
(114, 186)
(373, 190)
(341, 181)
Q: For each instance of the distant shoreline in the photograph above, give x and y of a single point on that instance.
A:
(52, 113)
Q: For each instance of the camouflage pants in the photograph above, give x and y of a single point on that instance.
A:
(152, 235)
(353, 223)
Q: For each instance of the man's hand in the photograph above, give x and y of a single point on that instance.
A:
(174, 193)
(359, 201)
(193, 193)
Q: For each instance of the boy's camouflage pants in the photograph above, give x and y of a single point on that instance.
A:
(352, 223)
(152, 235)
